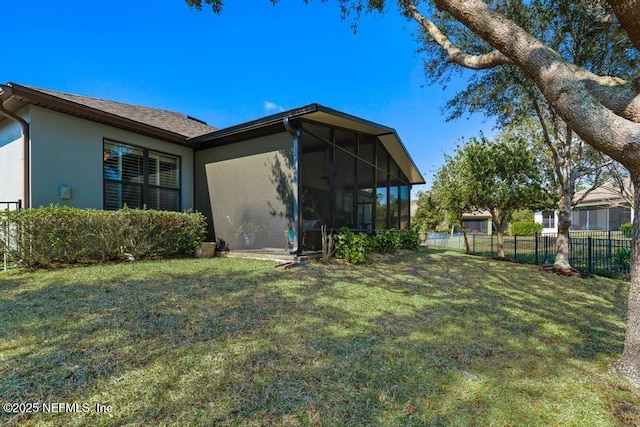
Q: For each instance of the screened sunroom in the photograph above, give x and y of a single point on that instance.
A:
(272, 184)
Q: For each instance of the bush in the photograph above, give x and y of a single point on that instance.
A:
(59, 234)
(627, 229)
(622, 258)
(387, 242)
(525, 228)
(523, 215)
(354, 248)
(409, 240)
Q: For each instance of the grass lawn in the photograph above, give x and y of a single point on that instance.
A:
(432, 338)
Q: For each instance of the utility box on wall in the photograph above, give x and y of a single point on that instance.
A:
(65, 192)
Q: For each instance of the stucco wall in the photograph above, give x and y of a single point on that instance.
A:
(67, 150)
(11, 165)
(249, 181)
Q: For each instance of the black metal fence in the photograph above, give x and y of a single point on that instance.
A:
(604, 253)
(6, 233)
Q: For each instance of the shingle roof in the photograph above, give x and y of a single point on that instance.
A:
(169, 121)
(608, 192)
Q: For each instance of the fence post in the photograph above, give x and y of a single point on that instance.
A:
(473, 251)
(535, 258)
(515, 247)
(589, 259)
(609, 246)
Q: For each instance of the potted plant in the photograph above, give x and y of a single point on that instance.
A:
(421, 228)
(247, 232)
(222, 248)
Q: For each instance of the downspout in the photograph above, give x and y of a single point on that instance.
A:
(297, 181)
(25, 144)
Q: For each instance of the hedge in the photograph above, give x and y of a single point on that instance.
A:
(525, 228)
(355, 248)
(59, 234)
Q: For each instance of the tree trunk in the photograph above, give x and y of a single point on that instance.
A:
(562, 240)
(500, 225)
(629, 365)
(628, 13)
(467, 248)
(500, 246)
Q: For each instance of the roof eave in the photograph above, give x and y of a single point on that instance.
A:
(395, 146)
(69, 107)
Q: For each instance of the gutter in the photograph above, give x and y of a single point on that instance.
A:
(297, 180)
(26, 185)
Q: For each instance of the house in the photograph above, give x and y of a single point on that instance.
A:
(604, 208)
(479, 222)
(601, 209)
(256, 182)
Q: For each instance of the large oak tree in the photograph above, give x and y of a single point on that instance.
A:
(603, 110)
(582, 33)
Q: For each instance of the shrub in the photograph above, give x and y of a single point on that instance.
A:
(622, 258)
(523, 215)
(387, 242)
(627, 229)
(354, 248)
(59, 234)
(409, 240)
(525, 228)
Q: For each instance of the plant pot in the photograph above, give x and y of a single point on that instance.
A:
(206, 250)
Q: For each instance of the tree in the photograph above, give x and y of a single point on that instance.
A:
(502, 178)
(603, 110)
(506, 94)
(429, 215)
(451, 192)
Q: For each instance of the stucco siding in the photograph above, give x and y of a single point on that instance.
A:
(249, 181)
(67, 150)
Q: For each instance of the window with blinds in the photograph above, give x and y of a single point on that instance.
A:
(140, 178)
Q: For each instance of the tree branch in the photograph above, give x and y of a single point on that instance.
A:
(475, 62)
(562, 83)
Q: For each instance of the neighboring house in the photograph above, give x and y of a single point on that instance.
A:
(601, 209)
(478, 222)
(302, 168)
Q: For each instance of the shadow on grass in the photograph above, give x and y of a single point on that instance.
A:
(433, 338)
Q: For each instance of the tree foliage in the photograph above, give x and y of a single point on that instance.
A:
(452, 192)
(503, 178)
(429, 215)
(499, 177)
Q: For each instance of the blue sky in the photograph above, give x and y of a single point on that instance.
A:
(252, 60)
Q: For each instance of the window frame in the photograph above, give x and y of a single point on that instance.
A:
(146, 185)
(549, 219)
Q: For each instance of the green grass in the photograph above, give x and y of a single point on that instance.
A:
(432, 338)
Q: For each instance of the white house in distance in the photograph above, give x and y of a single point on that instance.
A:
(602, 209)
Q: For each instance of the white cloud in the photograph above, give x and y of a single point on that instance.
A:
(270, 106)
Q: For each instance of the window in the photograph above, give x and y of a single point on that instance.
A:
(139, 178)
(590, 218)
(548, 219)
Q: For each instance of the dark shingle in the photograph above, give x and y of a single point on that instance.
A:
(167, 120)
